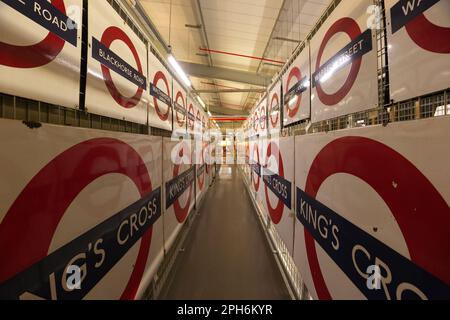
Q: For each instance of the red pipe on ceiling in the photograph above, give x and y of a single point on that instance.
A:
(227, 119)
(241, 55)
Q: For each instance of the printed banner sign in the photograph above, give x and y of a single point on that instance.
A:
(278, 193)
(262, 115)
(279, 186)
(179, 195)
(110, 240)
(256, 168)
(117, 67)
(344, 63)
(36, 36)
(296, 87)
(191, 115)
(377, 230)
(347, 245)
(179, 106)
(103, 220)
(112, 61)
(274, 108)
(160, 79)
(178, 185)
(48, 16)
(418, 47)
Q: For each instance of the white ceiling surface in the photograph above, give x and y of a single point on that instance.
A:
(237, 26)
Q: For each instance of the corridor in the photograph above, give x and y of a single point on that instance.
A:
(226, 255)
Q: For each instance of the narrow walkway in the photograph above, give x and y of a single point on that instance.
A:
(226, 254)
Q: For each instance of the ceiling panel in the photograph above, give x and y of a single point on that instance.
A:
(240, 27)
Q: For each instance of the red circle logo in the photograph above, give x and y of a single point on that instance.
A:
(191, 121)
(201, 178)
(111, 34)
(425, 231)
(429, 36)
(33, 218)
(294, 74)
(36, 55)
(351, 28)
(256, 181)
(160, 76)
(273, 121)
(262, 116)
(181, 212)
(178, 97)
(275, 213)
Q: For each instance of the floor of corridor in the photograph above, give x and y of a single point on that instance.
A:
(226, 254)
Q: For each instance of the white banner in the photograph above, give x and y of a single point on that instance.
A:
(297, 90)
(200, 173)
(344, 62)
(372, 209)
(192, 112)
(418, 46)
(160, 90)
(255, 166)
(279, 188)
(88, 201)
(180, 107)
(179, 193)
(117, 67)
(40, 50)
(274, 109)
(262, 115)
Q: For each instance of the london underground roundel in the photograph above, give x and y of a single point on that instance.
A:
(160, 90)
(191, 117)
(351, 28)
(180, 177)
(40, 53)
(404, 238)
(296, 87)
(115, 34)
(161, 77)
(255, 167)
(417, 33)
(29, 226)
(414, 16)
(274, 108)
(344, 64)
(36, 37)
(181, 212)
(117, 81)
(180, 105)
(276, 212)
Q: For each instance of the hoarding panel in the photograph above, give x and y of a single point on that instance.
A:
(418, 47)
(374, 196)
(117, 81)
(160, 90)
(40, 54)
(82, 191)
(344, 63)
(296, 87)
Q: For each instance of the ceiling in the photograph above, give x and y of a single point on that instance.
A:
(256, 28)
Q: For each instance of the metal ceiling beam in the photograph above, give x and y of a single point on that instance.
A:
(219, 110)
(203, 71)
(232, 91)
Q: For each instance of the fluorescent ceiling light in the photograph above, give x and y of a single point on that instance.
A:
(201, 102)
(179, 70)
